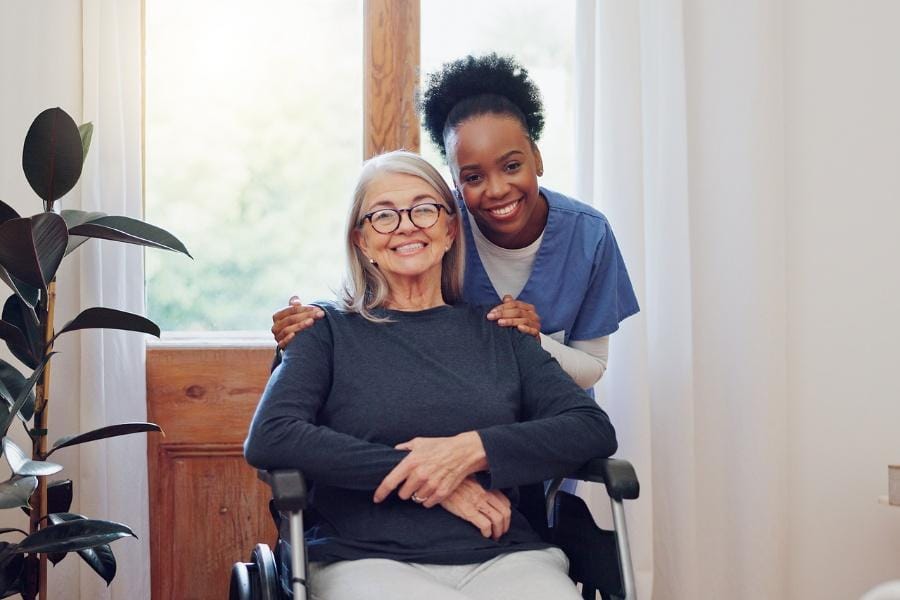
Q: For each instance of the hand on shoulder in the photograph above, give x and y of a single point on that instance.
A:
(292, 319)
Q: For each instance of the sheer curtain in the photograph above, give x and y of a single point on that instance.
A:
(681, 146)
(112, 474)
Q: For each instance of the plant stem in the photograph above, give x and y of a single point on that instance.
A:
(39, 440)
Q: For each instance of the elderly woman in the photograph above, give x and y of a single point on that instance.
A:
(416, 418)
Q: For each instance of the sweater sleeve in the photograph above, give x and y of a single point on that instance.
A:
(560, 426)
(284, 433)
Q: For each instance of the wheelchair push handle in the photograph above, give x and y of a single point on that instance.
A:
(616, 474)
(288, 488)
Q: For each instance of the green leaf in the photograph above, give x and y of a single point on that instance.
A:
(53, 154)
(74, 218)
(130, 231)
(17, 343)
(103, 433)
(11, 567)
(59, 496)
(13, 382)
(74, 535)
(31, 248)
(24, 466)
(7, 212)
(109, 318)
(86, 131)
(100, 558)
(23, 394)
(21, 316)
(27, 293)
(16, 491)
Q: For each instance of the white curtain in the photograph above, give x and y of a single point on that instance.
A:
(680, 145)
(112, 474)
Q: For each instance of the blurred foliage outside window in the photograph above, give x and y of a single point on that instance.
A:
(254, 138)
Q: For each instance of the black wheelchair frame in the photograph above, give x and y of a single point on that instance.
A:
(599, 560)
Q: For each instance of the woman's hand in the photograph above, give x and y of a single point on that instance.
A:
(488, 510)
(434, 467)
(518, 314)
(292, 319)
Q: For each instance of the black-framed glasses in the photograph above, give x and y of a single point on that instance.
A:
(387, 220)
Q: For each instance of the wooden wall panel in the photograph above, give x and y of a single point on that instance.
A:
(207, 509)
(391, 75)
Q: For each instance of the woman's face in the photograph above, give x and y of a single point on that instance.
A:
(495, 166)
(407, 252)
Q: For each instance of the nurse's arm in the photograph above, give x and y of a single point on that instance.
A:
(584, 361)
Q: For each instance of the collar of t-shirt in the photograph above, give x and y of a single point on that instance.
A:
(508, 269)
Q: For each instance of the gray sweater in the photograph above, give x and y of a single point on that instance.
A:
(348, 390)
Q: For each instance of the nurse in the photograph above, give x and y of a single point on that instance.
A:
(548, 263)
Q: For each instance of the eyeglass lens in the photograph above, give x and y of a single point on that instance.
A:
(422, 216)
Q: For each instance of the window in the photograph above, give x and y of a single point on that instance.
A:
(253, 137)
(255, 120)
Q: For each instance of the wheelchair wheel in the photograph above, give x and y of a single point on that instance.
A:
(257, 579)
(241, 587)
(264, 561)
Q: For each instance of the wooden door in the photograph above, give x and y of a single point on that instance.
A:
(207, 509)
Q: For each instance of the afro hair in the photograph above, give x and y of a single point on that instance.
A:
(497, 84)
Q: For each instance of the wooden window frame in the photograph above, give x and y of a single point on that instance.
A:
(202, 389)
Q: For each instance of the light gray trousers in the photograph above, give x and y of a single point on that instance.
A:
(526, 575)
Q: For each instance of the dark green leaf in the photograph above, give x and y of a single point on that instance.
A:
(109, 318)
(21, 316)
(24, 466)
(53, 154)
(13, 381)
(130, 231)
(11, 567)
(74, 535)
(16, 491)
(17, 343)
(31, 248)
(86, 131)
(23, 394)
(7, 212)
(74, 218)
(103, 433)
(100, 559)
(30, 295)
(59, 496)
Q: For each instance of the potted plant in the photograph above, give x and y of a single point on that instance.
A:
(31, 250)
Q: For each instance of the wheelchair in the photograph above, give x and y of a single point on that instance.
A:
(599, 560)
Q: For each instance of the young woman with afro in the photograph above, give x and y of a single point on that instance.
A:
(547, 263)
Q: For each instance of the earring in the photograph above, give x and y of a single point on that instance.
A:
(372, 260)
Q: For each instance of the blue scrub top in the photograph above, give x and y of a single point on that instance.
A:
(578, 283)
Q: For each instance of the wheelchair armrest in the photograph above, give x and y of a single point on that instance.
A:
(618, 476)
(288, 488)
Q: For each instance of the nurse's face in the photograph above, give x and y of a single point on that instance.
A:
(495, 166)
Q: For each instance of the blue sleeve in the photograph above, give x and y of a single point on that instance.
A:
(284, 433)
(560, 427)
(610, 297)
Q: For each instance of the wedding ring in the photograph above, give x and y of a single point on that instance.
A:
(416, 499)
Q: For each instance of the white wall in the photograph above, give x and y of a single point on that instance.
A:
(842, 84)
(40, 66)
(735, 110)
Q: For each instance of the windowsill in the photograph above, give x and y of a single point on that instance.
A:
(213, 339)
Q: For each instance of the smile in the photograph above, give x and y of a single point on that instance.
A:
(409, 248)
(505, 211)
